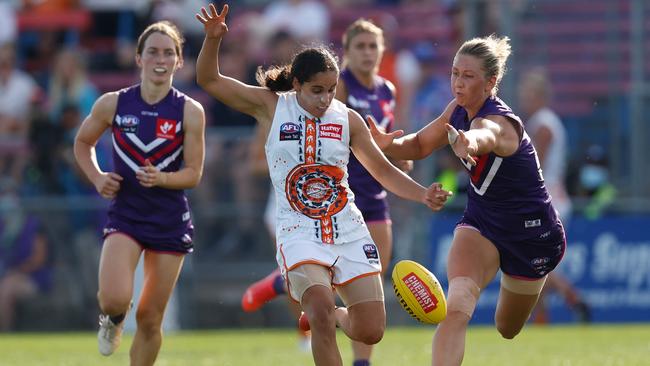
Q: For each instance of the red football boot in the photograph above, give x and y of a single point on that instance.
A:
(303, 322)
(260, 292)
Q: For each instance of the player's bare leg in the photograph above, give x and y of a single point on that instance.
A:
(382, 234)
(119, 258)
(318, 305)
(365, 322)
(517, 299)
(472, 264)
(161, 272)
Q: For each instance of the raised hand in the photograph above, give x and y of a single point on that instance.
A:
(460, 144)
(214, 24)
(108, 184)
(382, 139)
(436, 197)
(149, 175)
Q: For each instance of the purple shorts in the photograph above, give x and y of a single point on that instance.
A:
(178, 240)
(373, 210)
(528, 253)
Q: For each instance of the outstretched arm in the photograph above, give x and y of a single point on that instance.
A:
(255, 101)
(387, 174)
(491, 134)
(418, 145)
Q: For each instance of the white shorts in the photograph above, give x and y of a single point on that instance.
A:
(345, 261)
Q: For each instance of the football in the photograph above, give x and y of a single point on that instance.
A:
(419, 292)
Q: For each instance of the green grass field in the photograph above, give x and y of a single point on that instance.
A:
(607, 345)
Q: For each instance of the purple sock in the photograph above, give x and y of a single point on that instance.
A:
(278, 285)
(361, 363)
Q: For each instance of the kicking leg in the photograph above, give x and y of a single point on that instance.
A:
(473, 261)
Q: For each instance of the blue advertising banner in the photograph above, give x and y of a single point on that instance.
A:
(608, 261)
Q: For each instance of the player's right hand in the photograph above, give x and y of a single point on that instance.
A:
(436, 197)
(108, 184)
(214, 24)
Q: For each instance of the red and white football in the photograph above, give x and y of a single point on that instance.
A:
(419, 292)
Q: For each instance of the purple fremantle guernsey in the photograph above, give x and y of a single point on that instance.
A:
(370, 196)
(158, 218)
(509, 204)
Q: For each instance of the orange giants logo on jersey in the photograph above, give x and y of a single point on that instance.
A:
(166, 128)
(315, 190)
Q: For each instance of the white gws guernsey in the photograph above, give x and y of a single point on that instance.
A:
(307, 159)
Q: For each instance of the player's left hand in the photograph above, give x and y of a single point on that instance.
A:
(382, 139)
(461, 144)
(436, 197)
(148, 175)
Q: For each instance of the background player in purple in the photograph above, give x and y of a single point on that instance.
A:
(158, 145)
(361, 89)
(509, 222)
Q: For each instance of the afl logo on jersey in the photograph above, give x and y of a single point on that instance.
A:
(316, 190)
(289, 131)
(128, 123)
(166, 128)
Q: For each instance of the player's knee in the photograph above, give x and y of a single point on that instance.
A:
(370, 334)
(149, 320)
(113, 304)
(462, 296)
(321, 317)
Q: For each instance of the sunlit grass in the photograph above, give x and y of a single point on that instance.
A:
(607, 345)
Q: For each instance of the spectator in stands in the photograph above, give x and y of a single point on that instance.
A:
(306, 20)
(117, 22)
(49, 27)
(50, 6)
(17, 91)
(180, 13)
(8, 26)
(549, 138)
(399, 66)
(433, 89)
(69, 84)
(25, 268)
(595, 183)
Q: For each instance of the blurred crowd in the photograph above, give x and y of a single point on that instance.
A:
(58, 56)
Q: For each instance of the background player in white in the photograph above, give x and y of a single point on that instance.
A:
(550, 140)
